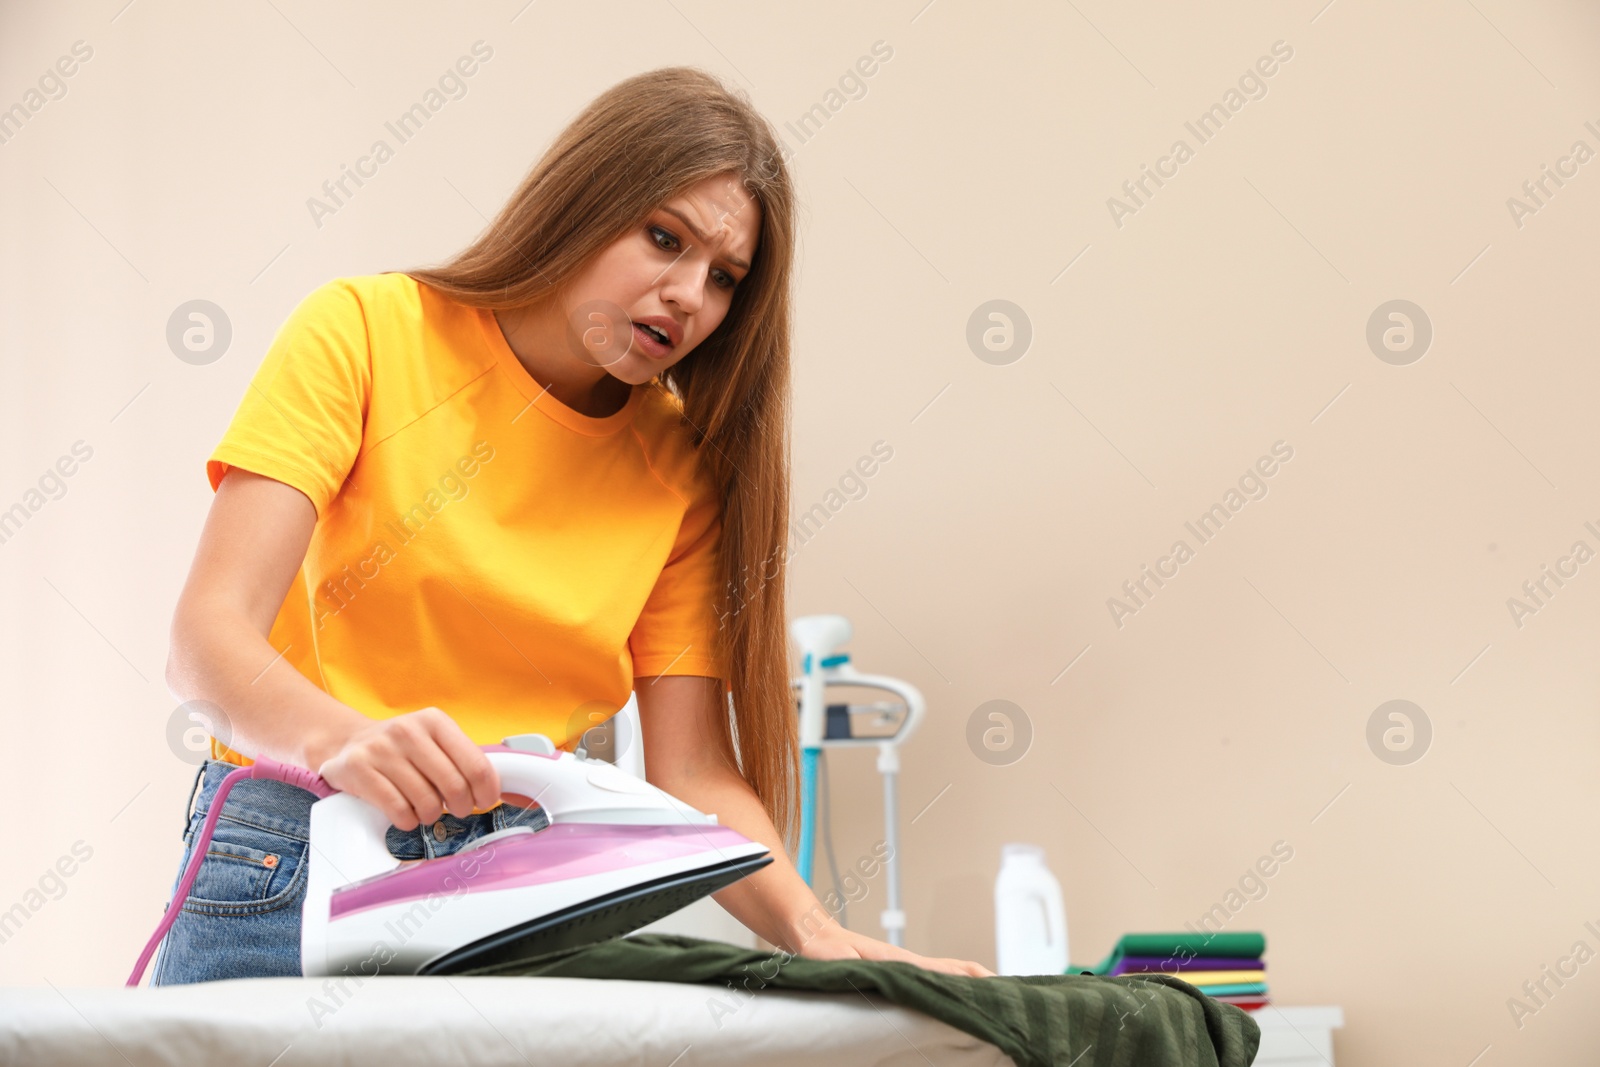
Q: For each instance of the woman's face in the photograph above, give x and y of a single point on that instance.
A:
(676, 271)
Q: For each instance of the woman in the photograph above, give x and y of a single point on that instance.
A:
(496, 496)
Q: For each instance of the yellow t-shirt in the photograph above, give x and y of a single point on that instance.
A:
(479, 546)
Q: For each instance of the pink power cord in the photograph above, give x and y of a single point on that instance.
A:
(261, 768)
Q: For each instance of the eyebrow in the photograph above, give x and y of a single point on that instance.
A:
(702, 238)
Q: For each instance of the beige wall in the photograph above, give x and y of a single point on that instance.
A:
(1227, 313)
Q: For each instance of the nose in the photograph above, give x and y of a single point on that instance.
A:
(684, 284)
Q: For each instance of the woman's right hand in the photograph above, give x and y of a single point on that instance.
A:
(414, 767)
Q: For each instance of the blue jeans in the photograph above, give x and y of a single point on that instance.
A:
(242, 916)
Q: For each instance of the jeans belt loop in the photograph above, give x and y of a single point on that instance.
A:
(194, 791)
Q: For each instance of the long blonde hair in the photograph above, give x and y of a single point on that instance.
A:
(637, 145)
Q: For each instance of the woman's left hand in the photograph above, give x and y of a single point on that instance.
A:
(838, 943)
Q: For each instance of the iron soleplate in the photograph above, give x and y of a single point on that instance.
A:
(594, 921)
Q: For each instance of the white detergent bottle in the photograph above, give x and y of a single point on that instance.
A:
(1030, 921)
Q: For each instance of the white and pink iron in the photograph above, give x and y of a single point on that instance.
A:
(618, 854)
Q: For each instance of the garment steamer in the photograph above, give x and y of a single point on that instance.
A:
(618, 854)
(824, 725)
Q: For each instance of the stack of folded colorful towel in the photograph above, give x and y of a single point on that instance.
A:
(1227, 967)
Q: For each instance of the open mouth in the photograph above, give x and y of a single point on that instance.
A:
(654, 335)
(655, 332)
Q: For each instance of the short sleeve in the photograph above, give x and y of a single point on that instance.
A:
(300, 421)
(677, 630)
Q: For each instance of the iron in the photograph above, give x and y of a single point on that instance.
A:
(618, 854)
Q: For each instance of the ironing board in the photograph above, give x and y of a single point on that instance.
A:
(400, 1021)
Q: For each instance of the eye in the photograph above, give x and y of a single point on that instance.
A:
(657, 229)
(653, 230)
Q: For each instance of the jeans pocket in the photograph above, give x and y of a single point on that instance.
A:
(247, 870)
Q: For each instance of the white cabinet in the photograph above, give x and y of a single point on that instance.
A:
(1297, 1037)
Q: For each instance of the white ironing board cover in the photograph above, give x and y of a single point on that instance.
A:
(400, 1021)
